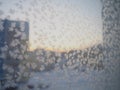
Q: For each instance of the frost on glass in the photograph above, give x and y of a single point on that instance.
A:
(13, 49)
(55, 45)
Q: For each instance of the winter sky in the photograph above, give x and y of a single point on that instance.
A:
(58, 25)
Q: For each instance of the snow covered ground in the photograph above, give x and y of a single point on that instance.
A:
(68, 80)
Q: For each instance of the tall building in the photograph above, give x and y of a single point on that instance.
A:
(111, 40)
(14, 37)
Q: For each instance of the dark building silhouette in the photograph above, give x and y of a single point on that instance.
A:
(15, 36)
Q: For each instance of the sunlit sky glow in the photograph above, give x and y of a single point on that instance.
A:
(58, 25)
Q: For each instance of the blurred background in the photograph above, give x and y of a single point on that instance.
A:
(59, 44)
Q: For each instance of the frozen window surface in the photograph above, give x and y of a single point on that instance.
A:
(59, 44)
